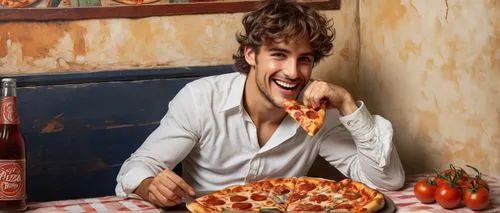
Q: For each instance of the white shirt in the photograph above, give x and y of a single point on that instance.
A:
(208, 130)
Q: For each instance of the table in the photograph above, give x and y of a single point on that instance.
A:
(404, 200)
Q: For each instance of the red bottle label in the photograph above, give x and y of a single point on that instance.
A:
(12, 179)
(8, 113)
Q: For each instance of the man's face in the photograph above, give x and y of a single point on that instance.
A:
(281, 69)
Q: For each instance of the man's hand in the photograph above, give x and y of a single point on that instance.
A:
(335, 97)
(166, 189)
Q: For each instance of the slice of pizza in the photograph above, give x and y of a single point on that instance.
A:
(317, 194)
(240, 198)
(310, 120)
(278, 189)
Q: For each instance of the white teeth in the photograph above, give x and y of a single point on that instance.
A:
(284, 84)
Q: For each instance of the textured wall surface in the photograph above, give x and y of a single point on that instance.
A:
(433, 69)
(171, 41)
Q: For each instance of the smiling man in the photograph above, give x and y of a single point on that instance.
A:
(232, 129)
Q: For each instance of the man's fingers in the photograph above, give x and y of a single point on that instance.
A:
(182, 184)
(159, 199)
(168, 189)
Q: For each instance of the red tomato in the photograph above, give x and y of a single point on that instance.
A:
(440, 181)
(462, 176)
(448, 197)
(476, 199)
(479, 181)
(483, 183)
(424, 191)
(455, 176)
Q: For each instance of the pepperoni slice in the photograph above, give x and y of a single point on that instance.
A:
(309, 207)
(258, 197)
(311, 114)
(241, 206)
(343, 206)
(281, 190)
(267, 185)
(306, 187)
(351, 195)
(319, 198)
(238, 198)
(297, 115)
(294, 107)
(215, 201)
(295, 197)
(237, 189)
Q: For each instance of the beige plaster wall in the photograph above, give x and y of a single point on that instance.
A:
(433, 68)
(171, 41)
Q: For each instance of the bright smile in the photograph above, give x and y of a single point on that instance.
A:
(286, 85)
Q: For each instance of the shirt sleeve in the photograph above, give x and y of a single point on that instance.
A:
(165, 147)
(360, 146)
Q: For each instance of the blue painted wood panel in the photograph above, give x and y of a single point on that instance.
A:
(79, 133)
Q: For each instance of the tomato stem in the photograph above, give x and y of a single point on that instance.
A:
(477, 171)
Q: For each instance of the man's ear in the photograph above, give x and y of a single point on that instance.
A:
(250, 56)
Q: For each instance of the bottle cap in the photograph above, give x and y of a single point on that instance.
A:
(8, 82)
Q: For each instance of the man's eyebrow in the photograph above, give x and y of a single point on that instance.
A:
(277, 49)
(308, 54)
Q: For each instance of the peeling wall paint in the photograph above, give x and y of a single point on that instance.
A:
(433, 69)
(170, 41)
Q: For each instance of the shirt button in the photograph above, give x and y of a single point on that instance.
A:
(351, 123)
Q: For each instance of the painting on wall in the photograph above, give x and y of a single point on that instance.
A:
(44, 10)
(100, 3)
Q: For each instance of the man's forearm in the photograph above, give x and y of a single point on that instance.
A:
(142, 189)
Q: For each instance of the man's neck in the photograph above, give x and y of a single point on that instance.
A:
(258, 107)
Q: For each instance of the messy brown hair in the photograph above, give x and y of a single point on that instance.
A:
(279, 20)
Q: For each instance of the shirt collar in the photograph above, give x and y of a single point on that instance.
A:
(235, 96)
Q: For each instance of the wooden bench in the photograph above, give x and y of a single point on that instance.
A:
(80, 127)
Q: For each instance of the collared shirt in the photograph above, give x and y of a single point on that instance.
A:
(208, 130)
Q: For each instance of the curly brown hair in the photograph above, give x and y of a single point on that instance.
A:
(279, 20)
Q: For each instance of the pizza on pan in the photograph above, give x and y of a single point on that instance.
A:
(303, 194)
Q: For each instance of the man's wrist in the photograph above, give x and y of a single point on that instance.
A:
(142, 189)
(348, 106)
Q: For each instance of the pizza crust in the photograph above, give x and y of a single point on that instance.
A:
(377, 200)
(195, 207)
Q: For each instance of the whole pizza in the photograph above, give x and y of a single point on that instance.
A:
(303, 194)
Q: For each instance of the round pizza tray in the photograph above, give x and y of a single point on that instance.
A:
(389, 207)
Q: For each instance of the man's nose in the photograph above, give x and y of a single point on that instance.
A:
(291, 70)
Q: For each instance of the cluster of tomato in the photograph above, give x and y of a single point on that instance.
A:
(452, 187)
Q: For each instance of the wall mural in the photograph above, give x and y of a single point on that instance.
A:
(45, 10)
(101, 3)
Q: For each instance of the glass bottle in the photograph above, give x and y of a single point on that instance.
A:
(12, 152)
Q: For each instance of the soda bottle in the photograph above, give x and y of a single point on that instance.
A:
(12, 152)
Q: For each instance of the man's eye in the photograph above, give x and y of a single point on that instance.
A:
(306, 59)
(278, 55)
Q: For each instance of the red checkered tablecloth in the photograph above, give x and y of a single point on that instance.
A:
(404, 200)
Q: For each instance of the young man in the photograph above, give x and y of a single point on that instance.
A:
(232, 129)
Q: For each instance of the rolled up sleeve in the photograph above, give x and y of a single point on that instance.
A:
(361, 147)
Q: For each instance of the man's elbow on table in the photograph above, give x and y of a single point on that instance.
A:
(392, 181)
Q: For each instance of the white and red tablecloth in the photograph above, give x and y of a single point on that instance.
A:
(404, 200)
